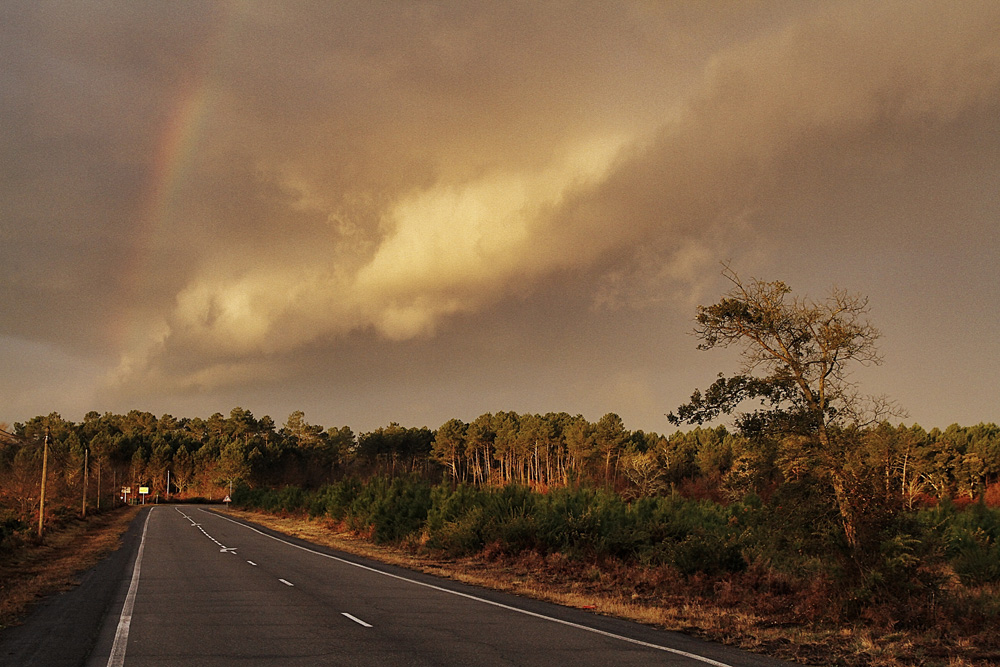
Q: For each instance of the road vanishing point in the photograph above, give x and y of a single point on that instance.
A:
(190, 586)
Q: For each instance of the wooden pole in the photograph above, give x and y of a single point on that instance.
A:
(86, 460)
(41, 498)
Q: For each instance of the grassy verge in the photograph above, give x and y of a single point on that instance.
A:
(749, 612)
(35, 570)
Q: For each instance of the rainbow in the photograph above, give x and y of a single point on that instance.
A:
(175, 146)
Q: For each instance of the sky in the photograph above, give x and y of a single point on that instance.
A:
(410, 212)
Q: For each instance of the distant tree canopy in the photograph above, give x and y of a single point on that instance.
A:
(556, 449)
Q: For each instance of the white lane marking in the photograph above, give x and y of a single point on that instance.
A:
(287, 583)
(252, 563)
(658, 647)
(117, 657)
(356, 619)
(222, 547)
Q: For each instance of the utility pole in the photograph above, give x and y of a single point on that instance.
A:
(168, 485)
(41, 498)
(86, 460)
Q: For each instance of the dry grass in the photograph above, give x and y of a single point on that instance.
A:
(34, 570)
(721, 612)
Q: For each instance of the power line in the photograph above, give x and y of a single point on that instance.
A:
(7, 435)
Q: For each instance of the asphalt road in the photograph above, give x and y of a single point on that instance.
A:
(192, 587)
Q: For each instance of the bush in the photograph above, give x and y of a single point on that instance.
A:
(11, 530)
(247, 498)
(288, 499)
(509, 522)
(970, 539)
(285, 499)
(456, 519)
(584, 522)
(691, 535)
(332, 500)
(797, 531)
(392, 510)
(336, 499)
(467, 519)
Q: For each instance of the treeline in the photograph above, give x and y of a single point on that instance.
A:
(207, 457)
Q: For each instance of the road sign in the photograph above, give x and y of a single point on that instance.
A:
(226, 500)
(144, 490)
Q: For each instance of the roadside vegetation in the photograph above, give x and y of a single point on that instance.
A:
(31, 568)
(815, 526)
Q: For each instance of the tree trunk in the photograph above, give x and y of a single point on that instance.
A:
(848, 516)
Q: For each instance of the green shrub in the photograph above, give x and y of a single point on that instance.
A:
(461, 536)
(393, 510)
(970, 539)
(456, 519)
(797, 531)
(289, 499)
(586, 522)
(690, 535)
(334, 500)
(286, 499)
(247, 498)
(509, 520)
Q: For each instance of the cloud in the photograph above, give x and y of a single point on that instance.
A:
(209, 195)
(446, 250)
(452, 234)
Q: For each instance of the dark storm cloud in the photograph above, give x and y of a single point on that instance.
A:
(209, 196)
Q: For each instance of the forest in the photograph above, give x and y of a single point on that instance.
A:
(207, 457)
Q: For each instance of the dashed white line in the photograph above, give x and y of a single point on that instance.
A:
(252, 563)
(356, 619)
(222, 547)
(287, 583)
(604, 633)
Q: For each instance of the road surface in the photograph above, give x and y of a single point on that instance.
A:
(193, 587)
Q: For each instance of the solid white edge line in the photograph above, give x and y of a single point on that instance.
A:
(693, 656)
(117, 657)
(356, 619)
